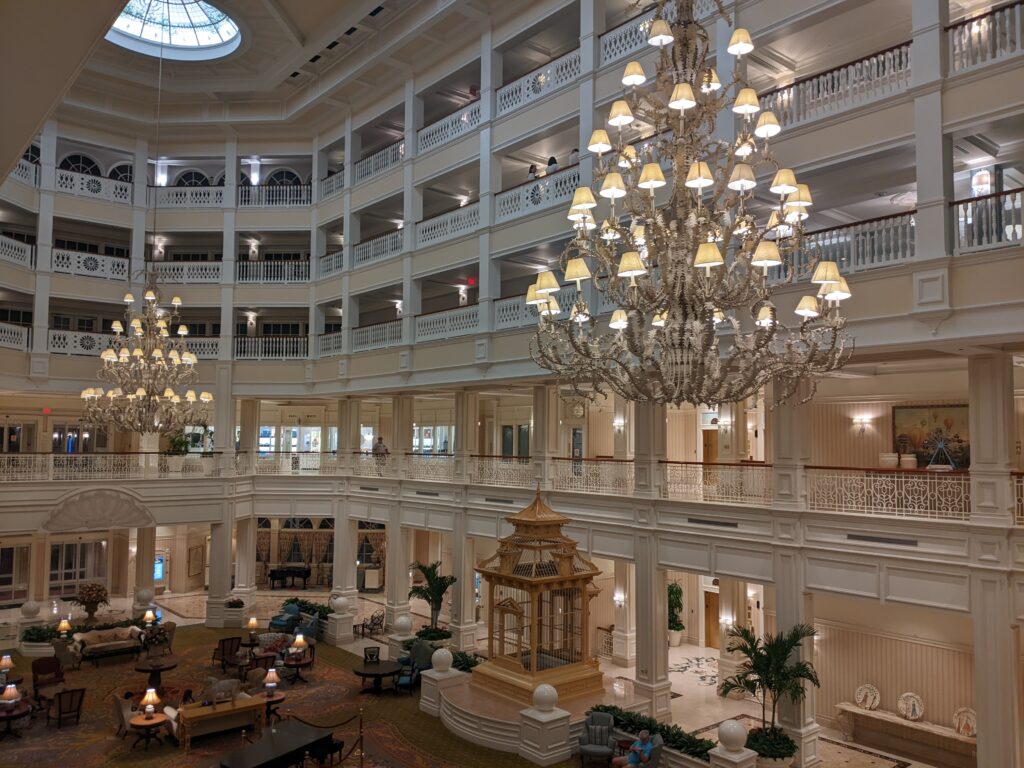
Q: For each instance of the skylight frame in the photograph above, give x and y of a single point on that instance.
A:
(183, 30)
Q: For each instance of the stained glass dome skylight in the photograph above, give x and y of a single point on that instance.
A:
(189, 30)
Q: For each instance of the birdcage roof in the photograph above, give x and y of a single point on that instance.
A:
(537, 512)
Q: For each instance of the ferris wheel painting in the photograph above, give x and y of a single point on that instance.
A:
(937, 434)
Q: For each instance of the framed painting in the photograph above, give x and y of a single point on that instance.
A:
(938, 435)
(195, 561)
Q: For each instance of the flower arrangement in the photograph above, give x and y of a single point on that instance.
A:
(235, 602)
(91, 593)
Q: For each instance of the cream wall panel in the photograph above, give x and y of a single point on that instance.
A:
(941, 590)
(681, 434)
(267, 371)
(95, 211)
(443, 355)
(685, 555)
(274, 295)
(367, 192)
(842, 576)
(988, 280)
(600, 436)
(375, 363)
(538, 229)
(612, 544)
(964, 100)
(195, 295)
(459, 152)
(386, 273)
(328, 289)
(19, 279)
(93, 288)
(196, 219)
(330, 211)
(466, 250)
(19, 194)
(558, 108)
(263, 219)
(744, 563)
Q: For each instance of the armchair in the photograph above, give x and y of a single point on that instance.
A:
(656, 750)
(286, 620)
(308, 625)
(406, 679)
(66, 705)
(596, 742)
(46, 673)
(227, 648)
(372, 626)
(123, 712)
(67, 654)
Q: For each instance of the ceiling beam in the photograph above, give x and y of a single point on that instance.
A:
(282, 18)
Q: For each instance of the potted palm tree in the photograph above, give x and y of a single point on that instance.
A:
(675, 608)
(432, 590)
(771, 672)
(177, 448)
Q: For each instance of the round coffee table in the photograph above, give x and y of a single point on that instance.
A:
(14, 678)
(148, 728)
(296, 665)
(377, 671)
(273, 699)
(8, 714)
(155, 667)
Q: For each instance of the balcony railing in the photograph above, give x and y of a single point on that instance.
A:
(77, 342)
(26, 173)
(539, 83)
(90, 264)
(271, 347)
(513, 312)
(97, 187)
(537, 195)
(735, 483)
(330, 344)
(186, 197)
(331, 186)
(380, 162)
(15, 336)
(16, 467)
(989, 221)
(291, 463)
(980, 40)
(449, 128)
(450, 322)
(448, 226)
(860, 82)
(1018, 498)
(274, 196)
(377, 336)
(17, 252)
(592, 475)
(188, 272)
(331, 263)
(272, 271)
(430, 466)
(204, 347)
(890, 492)
(366, 464)
(509, 471)
(378, 248)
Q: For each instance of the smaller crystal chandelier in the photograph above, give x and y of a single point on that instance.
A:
(150, 370)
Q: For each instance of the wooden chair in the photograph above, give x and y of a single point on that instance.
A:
(371, 653)
(406, 679)
(46, 673)
(372, 626)
(227, 648)
(66, 705)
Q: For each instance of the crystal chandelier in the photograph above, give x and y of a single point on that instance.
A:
(689, 274)
(150, 372)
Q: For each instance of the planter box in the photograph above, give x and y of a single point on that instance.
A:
(35, 649)
(233, 617)
(670, 758)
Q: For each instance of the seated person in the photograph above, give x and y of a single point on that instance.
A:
(639, 751)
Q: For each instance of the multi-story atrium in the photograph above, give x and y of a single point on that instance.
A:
(477, 383)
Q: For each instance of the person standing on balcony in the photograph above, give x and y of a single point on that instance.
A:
(532, 173)
(552, 165)
(574, 156)
(380, 455)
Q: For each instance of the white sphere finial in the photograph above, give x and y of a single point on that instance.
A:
(144, 596)
(339, 604)
(30, 609)
(733, 735)
(403, 625)
(441, 660)
(545, 697)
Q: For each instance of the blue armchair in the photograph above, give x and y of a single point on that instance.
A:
(307, 626)
(286, 620)
(596, 742)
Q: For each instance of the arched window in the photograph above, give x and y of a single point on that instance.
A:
(298, 523)
(122, 172)
(243, 180)
(327, 524)
(81, 164)
(263, 522)
(192, 179)
(32, 154)
(282, 177)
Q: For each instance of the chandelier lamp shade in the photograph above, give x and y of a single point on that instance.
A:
(698, 232)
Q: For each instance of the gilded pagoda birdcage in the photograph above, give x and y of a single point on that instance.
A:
(539, 590)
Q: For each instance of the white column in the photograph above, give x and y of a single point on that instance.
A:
(463, 610)
(40, 365)
(467, 414)
(245, 557)
(732, 432)
(220, 573)
(401, 430)
(732, 611)
(622, 428)
(140, 208)
(411, 295)
(489, 290)
(993, 437)
(624, 634)
(223, 410)
(229, 249)
(652, 631)
(544, 442)
(649, 448)
(343, 579)
(791, 452)
(349, 306)
(249, 426)
(397, 578)
(145, 555)
(348, 430)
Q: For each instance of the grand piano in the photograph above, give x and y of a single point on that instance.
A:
(283, 746)
(289, 572)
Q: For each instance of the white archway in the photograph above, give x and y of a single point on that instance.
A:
(98, 510)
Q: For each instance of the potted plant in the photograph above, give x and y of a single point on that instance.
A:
(91, 596)
(177, 449)
(233, 609)
(432, 589)
(37, 640)
(675, 608)
(771, 672)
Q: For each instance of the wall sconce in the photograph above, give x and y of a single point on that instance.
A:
(861, 422)
(619, 599)
(619, 424)
(398, 307)
(463, 295)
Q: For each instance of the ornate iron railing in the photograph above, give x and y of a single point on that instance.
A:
(890, 492)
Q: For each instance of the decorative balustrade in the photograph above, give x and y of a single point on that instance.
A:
(1018, 498)
(272, 271)
(331, 263)
(271, 347)
(77, 342)
(508, 471)
(15, 336)
(631, 36)
(84, 185)
(15, 467)
(891, 493)
(513, 312)
(274, 195)
(377, 336)
(366, 464)
(204, 347)
(26, 173)
(592, 475)
(448, 128)
(186, 197)
(430, 466)
(539, 83)
(860, 82)
(735, 483)
(189, 272)
(378, 248)
(537, 195)
(293, 463)
(989, 221)
(989, 37)
(331, 186)
(448, 226)
(16, 252)
(89, 264)
(380, 162)
(330, 344)
(450, 322)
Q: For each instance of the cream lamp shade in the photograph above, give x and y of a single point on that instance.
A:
(640, 234)
(742, 178)
(708, 256)
(766, 255)
(631, 265)
(699, 176)
(272, 679)
(620, 114)
(547, 283)
(744, 146)
(765, 317)
(150, 702)
(634, 74)
(108, 355)
(128, 298)
(651, 177)
(576, 214)
(608, 231)
(189, 358)
(627, 157)
(838, 291)
(149, 295)
(117, 327)
(599, 141)
(10, 695)
(182, 329)
(140, 392)
(589, 222)
(779, 225)
(149, 617)
(64, 626)
(801, 198)
(682, 97)
(577, 270)
(253, 623)
(583, 198)
(168, 393)
(300, 642)
(784, 182)
(718, 316)
(826, 273)
(532, 299)
(660, 34)
(767, 125)
(746, 102)
(660, 318)
(176, 301)
(740, 42)
(613, 186)
(550, 307)
(792, 214)
(205, 397)
(190, 396)
(579, 314)
(6, 664)
(619, 320)
(710, 82)
(808, 307)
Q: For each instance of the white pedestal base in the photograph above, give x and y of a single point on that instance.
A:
(660, 696)
(463, 636)
(806, 739)
(722, 758)
(433, 682)
(217, 615)
(395, 647)
(339, 629)
(545, 736)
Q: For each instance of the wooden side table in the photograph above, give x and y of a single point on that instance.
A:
(148, 728)
(8, 714)
(274, 700)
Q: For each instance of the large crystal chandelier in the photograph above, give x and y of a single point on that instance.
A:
(689, 274)
(149, 370)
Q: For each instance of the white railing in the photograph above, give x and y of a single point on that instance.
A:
(874, 77)
(513, 312)
(17, 252)
(84, 185)
(188, 271)
(631, 36)
(896, 493)
(377, 336)
(186, 197)
(370, 465)
(508, 471)
(330, 344)
(451, 322)
(284, 463)
(26, 173)
(15, 336)
(380, 161)
(272, 271)
(107, 466)
(378, 248)
(430, 466)
(448, 226)
(1018, 498)
(982, 39)
(536, 195)
(448, 128)
(90, 264)
(274, 196)
(990, 221)
(271, 347)
(331, 264)
(539, 83)
(77, 342)
(204, 347)
(592, 475)
(331, 186)
(735, 483)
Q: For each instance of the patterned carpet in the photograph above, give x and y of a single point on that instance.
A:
(397, 734)
(264, 605)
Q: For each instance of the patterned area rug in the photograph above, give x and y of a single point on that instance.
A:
(704, 667)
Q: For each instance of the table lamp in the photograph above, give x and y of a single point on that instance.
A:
(253, 625)
(10, 696)
(6, 665)
(149, 701)
(64, 627)
(299, 645)
(149, 618)
(271, 680)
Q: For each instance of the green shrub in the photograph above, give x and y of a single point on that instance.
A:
(44, 634)
(771, 742)
(675, 607)
(464, 662)
(673, 736)
(433, 634)
(38, 634)
(235, 602)
(316, 609)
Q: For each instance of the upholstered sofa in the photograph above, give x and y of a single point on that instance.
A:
(280, 642)
(192, 720)
(98, 643)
